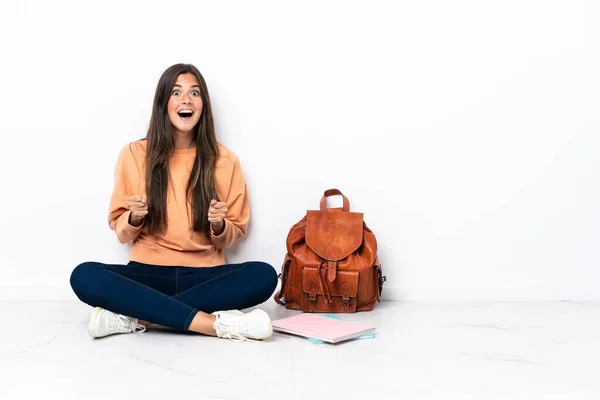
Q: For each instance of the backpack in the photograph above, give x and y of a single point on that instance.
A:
(331, 265)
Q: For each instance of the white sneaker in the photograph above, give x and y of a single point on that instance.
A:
(103, 323)
(237, 326)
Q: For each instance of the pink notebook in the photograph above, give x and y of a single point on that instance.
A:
(322, 328)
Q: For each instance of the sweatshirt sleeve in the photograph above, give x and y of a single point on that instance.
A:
(118, 216)
(238, 207)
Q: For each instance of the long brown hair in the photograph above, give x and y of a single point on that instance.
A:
(201, 188)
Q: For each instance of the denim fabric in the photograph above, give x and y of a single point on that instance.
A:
(171, 296)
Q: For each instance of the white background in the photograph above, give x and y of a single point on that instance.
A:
(466, 131)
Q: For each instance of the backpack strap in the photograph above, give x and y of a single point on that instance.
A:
(283, 276)
(278, 297)
(382, 278)
(334, 192)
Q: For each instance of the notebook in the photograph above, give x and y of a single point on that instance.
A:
(368, 335)
(319, 327)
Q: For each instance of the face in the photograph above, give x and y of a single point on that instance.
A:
(185, 104)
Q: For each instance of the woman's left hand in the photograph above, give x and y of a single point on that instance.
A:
(216, 215)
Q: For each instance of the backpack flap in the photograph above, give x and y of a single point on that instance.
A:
(333, 236)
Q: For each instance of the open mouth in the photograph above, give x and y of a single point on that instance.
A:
(185, 114)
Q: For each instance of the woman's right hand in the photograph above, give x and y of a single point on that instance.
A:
(139, 208)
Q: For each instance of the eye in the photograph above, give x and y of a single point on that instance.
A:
(175, 93)
(195, 93)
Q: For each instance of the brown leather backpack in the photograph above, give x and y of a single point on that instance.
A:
(331, 263)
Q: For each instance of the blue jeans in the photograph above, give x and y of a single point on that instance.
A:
(171, 296)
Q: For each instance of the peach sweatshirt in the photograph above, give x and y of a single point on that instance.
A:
(179, 245)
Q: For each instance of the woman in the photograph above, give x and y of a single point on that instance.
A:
(180, 197)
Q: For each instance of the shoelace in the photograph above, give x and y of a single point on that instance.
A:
(123, 323)
(231, 330)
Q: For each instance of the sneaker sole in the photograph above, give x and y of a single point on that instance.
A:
(92, 321)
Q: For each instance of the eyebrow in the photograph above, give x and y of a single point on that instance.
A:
(176, 85)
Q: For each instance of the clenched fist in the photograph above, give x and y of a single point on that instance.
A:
(216, 214)
(139, 208)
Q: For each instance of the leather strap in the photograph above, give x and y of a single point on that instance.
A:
(333, 255)
(334, 192)
(284, 273)
(324, 287)
(382, 278)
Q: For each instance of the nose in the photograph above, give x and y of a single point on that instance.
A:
(186, 99)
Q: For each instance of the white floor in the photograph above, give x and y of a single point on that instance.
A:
(422, 351)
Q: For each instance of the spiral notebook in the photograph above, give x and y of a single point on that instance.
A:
(322, 328)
